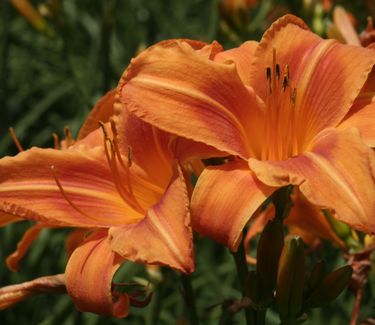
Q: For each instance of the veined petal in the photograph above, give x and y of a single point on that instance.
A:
(102, 111)
(75, 238)
(224, 199)
(164, 236)
(185, 150)
(13, 294)
(329, 178)
(89, 276)
(242, 57)
(363, 119)
(327, 75)
(28, 188)
(183, 92)
(307, 221)
(23, 246)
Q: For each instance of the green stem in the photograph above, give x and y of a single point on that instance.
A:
(155, 307)
(190, 299)
(242, 271)
(261, 317)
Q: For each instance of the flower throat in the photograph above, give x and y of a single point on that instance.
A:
(280, 120)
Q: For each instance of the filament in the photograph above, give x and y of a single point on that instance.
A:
(71, 203)
(15, 139)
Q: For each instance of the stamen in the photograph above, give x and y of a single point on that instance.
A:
(15, 139)
(293, 97)
(125, 192)
(68, 136)
(285, 82)
(286, 70)
(130, 156)
(278, 71)
(62, 191)
(286, 77)
(268, 74)
(56, 142)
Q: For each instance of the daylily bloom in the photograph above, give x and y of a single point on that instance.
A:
(123, 184)
(294, 108)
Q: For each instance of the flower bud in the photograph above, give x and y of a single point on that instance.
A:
(330, 287)
(290, 279)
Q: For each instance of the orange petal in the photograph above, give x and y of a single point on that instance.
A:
(11, 295)
(164, 236)
(186, 150)
(327, 75)
(74, 239)
(345, 26)
(329, 178)
(102, 111)
(224, 199)
(242, 57)
(183, 92)
(363, 119)
(306, 220)
(23, 246)
(89, 276)
(6, 219)
(28, 188)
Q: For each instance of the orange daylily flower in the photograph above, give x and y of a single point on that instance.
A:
(130, 193)
(295, 108)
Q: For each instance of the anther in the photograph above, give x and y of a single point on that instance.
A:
(268, 74)
(286, 70)
(294, 96)
(15, 139)
(104, 129)
(278, 71)
(56, 144)
(68, 136)
(285, 82)
(130, 156)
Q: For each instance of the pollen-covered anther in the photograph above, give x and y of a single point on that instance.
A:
(285, 82)
(268, 75)
(130, 156)
(278, 71)
(293, 96)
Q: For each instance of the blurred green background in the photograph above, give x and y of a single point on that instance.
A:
(52, 75)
